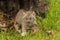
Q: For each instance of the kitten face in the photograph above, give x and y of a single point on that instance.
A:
(29, 16)
(26, 16)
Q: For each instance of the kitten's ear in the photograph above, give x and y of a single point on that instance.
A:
(34, 13)
(24, 13)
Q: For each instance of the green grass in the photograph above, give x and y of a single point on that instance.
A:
(51, 22)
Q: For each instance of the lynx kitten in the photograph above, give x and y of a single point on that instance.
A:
(27, 20)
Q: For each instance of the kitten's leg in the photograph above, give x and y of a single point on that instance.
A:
(35, 29)
(23, 29)
(16, 27)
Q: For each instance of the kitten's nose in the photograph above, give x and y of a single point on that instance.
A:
(28, 22)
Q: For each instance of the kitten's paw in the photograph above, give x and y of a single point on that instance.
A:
(19, 31)
(23, 33)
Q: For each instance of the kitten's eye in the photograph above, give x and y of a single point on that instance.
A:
(30, 18)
